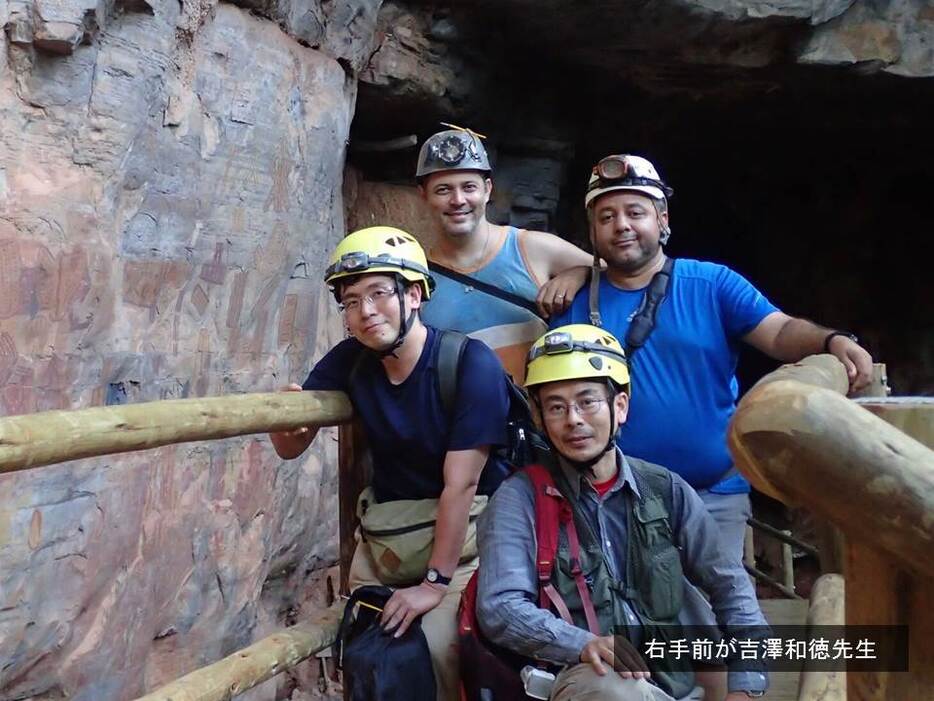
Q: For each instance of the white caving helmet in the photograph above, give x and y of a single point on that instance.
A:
(625, 172)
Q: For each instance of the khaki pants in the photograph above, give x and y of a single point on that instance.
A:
(439, 624)
(582, 683)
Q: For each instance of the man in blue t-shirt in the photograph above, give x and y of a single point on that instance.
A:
(684, 386)
(425, 455)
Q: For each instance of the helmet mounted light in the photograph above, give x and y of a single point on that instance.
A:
(612, 168)
(559, 342)
(623, 172)
(359, 262)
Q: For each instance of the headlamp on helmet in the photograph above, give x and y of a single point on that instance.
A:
(454, 149)
(380, 249)
(576, 352)
(612, 168)
(628, 173)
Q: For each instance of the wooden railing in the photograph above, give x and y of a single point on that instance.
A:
(800, 440)
(58, 436)
(51, 437)
(794, 435)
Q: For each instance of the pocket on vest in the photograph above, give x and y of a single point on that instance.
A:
(662, 587)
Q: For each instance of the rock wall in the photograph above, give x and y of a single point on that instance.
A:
(170, 184)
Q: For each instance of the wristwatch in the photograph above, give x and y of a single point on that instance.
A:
(432, 576)
(754, 694)
(830, 336)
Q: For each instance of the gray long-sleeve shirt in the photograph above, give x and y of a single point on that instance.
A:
(508, 594)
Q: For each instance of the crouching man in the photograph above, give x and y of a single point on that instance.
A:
(633, 532)
(432, 461)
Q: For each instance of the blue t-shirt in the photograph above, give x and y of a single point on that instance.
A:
(684, 386)
(406, 427)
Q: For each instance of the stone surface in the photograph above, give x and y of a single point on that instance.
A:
(896, 37)
(170, 184)
(343, 29)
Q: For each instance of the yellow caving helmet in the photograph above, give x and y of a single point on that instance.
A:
(380, 249)
(577, 352)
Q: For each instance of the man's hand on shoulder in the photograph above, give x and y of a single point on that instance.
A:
(405, 605)
(556, 295)
(618, 653)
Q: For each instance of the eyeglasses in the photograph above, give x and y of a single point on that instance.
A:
(376, 297)
(588, 406)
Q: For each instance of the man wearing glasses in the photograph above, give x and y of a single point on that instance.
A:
(633, 532)
(430, 465)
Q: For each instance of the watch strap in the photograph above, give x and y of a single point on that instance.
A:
(830, 336)
(433, 576)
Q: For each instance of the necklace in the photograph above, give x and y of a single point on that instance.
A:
(460, 267)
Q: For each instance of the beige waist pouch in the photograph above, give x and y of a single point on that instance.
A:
(401, 534)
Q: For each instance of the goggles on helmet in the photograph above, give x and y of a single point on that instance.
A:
(616, 170)
(360, 262)
(562, 342)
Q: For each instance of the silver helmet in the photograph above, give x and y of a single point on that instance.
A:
(454, 149)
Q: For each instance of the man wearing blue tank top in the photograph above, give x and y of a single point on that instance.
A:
(453, 177)
(684, 386)
(434, 462)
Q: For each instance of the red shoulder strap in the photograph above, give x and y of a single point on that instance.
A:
(552, 510)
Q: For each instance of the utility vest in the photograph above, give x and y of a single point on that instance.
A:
(653, 584)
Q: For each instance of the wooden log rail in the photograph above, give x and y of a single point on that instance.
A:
(253, 665)
(798, 439)
(50, 437)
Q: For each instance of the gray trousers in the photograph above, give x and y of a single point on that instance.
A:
(730, 511)
(581, 683)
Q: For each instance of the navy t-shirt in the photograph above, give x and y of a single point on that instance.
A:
(684, 386)
(406, 426)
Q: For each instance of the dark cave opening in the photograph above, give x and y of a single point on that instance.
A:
(809, 180)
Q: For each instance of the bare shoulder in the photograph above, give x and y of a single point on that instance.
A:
(550, 254)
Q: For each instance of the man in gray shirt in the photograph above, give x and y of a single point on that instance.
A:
(637, 531)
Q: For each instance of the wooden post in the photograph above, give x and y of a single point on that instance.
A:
(805, 444)
(887, 592)
(826, 609)
(355, 469)
(58, 436)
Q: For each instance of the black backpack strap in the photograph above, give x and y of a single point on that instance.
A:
(449, 351)
(643, 323)
(485, 287)
(594, 297)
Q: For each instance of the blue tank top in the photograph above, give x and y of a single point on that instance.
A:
(509, 330)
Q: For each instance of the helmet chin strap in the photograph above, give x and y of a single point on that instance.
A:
(405, 323)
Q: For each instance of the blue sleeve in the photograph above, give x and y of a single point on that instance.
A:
(482, 404)
(742, 306)
(332, 372)
(562, 320)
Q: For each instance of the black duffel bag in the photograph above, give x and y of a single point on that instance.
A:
(377, 666)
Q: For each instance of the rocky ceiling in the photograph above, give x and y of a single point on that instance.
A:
(796, 133)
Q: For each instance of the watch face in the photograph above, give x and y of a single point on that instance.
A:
(432, 575)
